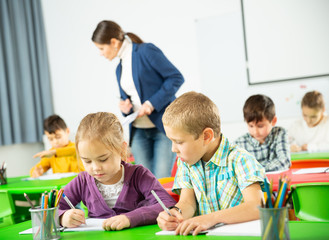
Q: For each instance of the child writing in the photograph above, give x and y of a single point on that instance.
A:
(110, 188)
(61, 157)
(269, 144)
(312, 132)
(217, 181)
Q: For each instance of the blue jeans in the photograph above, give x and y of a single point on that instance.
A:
(152, 149)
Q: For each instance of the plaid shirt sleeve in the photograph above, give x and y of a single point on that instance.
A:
(182, 178)
(247, 169)
(282, 152)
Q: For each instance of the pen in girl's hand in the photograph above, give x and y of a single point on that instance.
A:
(68, 201)
(161, 203)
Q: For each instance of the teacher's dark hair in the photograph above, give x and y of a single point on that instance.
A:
(106, 30)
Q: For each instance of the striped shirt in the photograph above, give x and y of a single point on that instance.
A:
(273, 154)
(218, 183)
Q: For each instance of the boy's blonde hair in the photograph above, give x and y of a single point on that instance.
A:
(193, 112)
(313, 99)
(104, 127)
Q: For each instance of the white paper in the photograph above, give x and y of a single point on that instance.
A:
(129, 119)
(92, 224)
(251, 228)
(52, 176)
(312, 170)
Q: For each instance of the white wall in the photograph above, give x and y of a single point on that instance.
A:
(84, 82)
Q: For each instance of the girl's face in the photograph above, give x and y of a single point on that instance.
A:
(109, 51)
(100, 162)
(312, 116)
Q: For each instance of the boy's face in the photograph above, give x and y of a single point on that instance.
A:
(261, 129)
(312, 116)
(58, 139)
(187, 148)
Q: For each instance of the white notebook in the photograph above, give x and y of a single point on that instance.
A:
(92, 224)
(312, 170)
(251, 228)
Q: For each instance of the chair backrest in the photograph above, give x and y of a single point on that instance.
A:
(174, 168)
(7, 209)
(309, 163)
(311, 201)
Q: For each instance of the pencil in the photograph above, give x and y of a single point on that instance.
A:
(161, 203)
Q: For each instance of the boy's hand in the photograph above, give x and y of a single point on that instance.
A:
(116, 223)
(169, 223)
(73, 218)
(295, 148)
(125, 106)
(304, 147)
(46, 153)
(37, 172)
(195, 224)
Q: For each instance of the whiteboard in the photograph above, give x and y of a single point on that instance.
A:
(285, 39)
(223, 74)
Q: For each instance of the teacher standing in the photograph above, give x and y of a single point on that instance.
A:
(148, 82)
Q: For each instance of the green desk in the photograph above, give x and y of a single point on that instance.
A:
(306, 155)
(18, 186)
(298, 230)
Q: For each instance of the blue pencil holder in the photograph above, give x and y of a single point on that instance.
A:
(45, 223)
(274, 223)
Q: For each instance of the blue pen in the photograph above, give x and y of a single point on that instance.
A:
(68, 201)
(283, 194)
(269, 199)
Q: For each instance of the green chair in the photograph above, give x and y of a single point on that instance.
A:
(311, 201)
(7, 209)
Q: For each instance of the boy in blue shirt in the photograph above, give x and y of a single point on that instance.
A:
(217, 181)
(269, 144)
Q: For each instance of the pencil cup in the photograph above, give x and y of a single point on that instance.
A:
(3, 176)
(45, 223)
(274, 223)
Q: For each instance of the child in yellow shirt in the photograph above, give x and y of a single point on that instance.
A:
(62, 156)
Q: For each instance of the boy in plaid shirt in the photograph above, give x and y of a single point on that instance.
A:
(217, 181)
(267, 142)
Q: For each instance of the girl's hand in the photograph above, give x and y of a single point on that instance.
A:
(295, 148)
(116, 223)
(125, 106)
(73, 218)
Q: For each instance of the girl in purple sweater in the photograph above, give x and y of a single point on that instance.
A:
(110, 188)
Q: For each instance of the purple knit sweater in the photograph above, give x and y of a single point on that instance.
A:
(135, 200)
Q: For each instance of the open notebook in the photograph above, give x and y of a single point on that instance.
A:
(251, 228)
(92, 224)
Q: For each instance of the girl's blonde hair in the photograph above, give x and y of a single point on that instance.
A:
(104, 127)
(313, 99)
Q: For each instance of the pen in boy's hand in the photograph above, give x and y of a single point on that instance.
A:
(161, 203)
